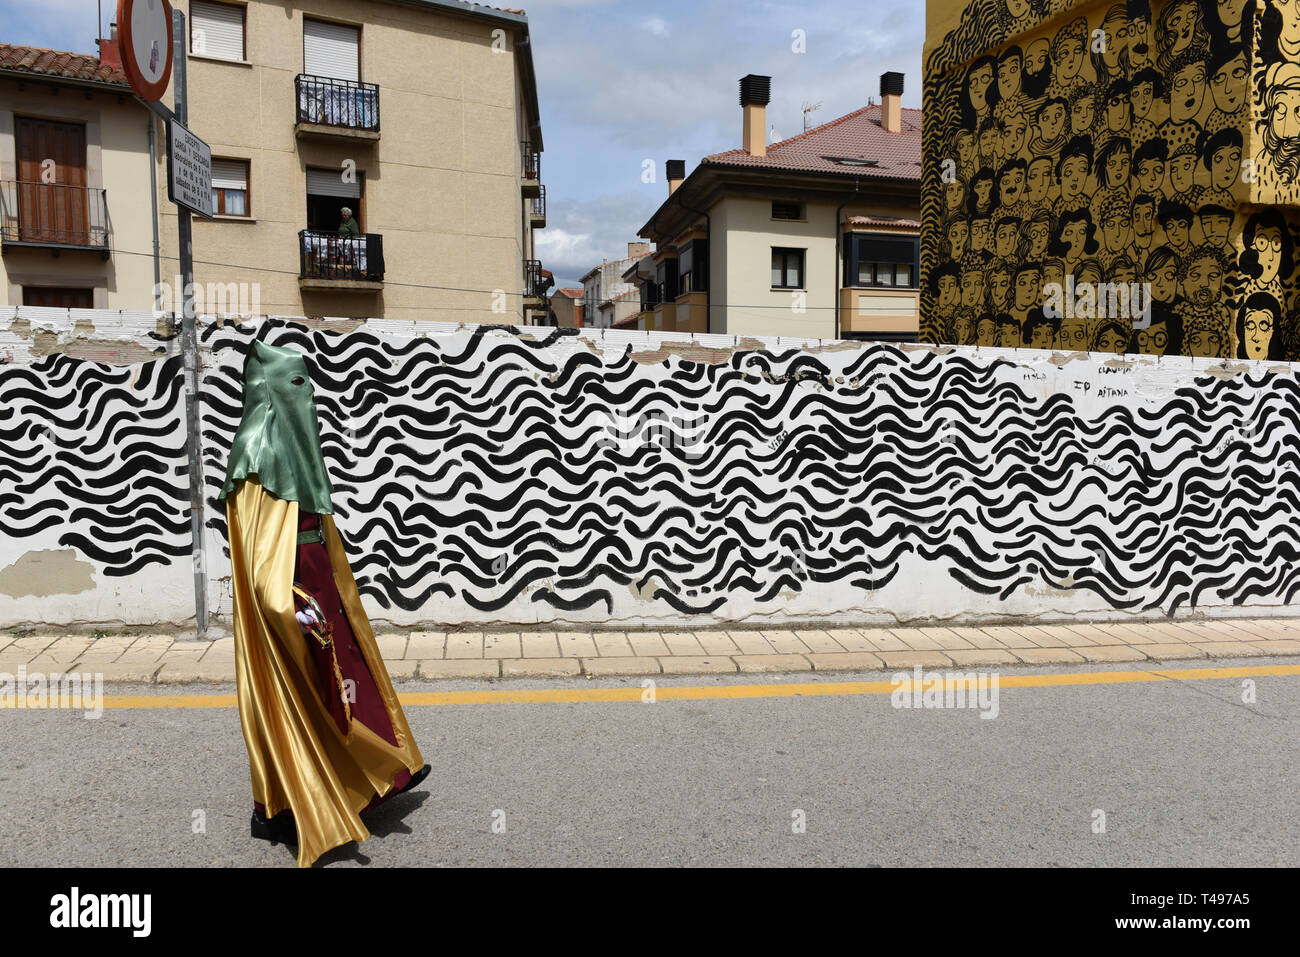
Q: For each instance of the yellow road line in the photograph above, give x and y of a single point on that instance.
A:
(697, 692)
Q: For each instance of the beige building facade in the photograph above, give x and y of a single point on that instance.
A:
(76, 221)
(816, 236)
(419, 116)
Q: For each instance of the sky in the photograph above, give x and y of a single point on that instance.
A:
(624, 86)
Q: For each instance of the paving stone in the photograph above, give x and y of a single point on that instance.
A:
(426, 644)
(914, 639)
(1063, 636)
(819, 642)
(1008, 637)
(540, 644)
(401, 667)
(697, 665)
(714, 643)
(66, 649)
(621, 665)
(1113, 653)
(769, 664)
(1173, 650)
(540, 667)
(845, 661)
(1229, 649)
(576, 644)
(462, 644)
(851, 639)
(965, 658)
(183, 672)
(751, 642)
(460, 668)
(1123, 633)
(612, 644)
(1047, 656)
(649, 644)
(391, 644)
(1279, 646)
(910, 659)
(784, 642)
(115, 671)
(501, 645)
(677, 643)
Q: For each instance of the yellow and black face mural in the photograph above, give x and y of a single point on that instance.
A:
(1113, 177)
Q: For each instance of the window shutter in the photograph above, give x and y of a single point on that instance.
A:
(331, 50)
(217, 30)
(229, 174)
(329, 182)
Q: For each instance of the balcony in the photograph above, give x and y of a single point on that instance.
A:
(537, 209)
(537, 282)
(340, 263)
(53, 216)
(532, 169)
(336, 109)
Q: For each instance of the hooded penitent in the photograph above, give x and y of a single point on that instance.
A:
(310, 751)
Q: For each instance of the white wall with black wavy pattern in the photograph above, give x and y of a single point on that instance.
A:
(494, 475)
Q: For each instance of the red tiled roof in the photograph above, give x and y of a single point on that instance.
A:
(571, 293)
(856, 136)
(58, 63)
(884, 222)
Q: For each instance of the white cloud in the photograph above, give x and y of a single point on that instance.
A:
(656, 26)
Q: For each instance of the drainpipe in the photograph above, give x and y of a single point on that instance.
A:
(153, 197)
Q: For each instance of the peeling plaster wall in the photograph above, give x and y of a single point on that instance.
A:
(491, 476)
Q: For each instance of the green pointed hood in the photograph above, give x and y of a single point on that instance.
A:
(278, 438)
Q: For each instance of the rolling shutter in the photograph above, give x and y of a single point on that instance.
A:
(331, 50)
(329, 182)
(229, 174)
(217, 30)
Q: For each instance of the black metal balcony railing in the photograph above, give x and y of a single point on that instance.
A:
(331, 256)
(346, 104)
(532, 161)
(53, 214)
(536, 282)
(539, 204)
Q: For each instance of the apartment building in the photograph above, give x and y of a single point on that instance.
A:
(608, 299)
(76, 221)
(566, 304)
(374, 158)
(815, 236)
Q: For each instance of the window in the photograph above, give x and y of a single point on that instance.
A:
(327, 193)
(666, 280)
(787, 268)
(230, 187)
(331, 50)
(693, 267)
(217, 30)
(787, 211)
(880, 260)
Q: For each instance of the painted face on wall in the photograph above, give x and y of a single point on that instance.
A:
(1164, 282)
(1073, 236)
(986, 331)
(1081, 115)
(1204, 281)
(1018, 8)
(1039, 235)
(1116, 230)
(1000, 290)
(1117, 112)
(1039, 180)
(1070, 57)
(1072, 337)
(1074, 176)
(1228, 84)
(1116, 40)
(1284, 112)
(983, 194)
(1042, 336)
(1144, 221)
(1207, 343)
(966, 149)
(1187, 92)
(1005, 241)
(1215, 229)
(958, 233)
(990, 144)
(1259, 333)
(1011, 187)
(1268, 247)
(1123, 273)
(953, 194)
(1178, 232)
(961, 328)
(1008, 335)
(948, 292)
(1153, 339)
(1117, 165)
(1053, 273)
(1014, 128)
(1009, 77)
(980, 235)
(1051, 121)
(1139, 42)
(1142, 95)
(1182, 173)
(1111, 341)
(1180, 27)
(972, 288)
(1151, 174)
(1036, 55)
(1289, 39)
(1224, 165)
(1230, 15)
(1029, 286)
(981, 79)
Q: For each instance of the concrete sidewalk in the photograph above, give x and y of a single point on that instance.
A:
(165, 659)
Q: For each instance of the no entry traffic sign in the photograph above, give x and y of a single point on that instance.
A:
(145, 29)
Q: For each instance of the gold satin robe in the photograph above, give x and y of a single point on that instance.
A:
(298, 758)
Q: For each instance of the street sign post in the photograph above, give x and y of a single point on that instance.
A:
(189, 170)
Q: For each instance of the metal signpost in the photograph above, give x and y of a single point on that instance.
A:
(153, 54)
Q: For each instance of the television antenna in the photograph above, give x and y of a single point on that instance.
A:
(809, 109)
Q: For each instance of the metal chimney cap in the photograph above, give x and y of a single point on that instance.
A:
(891, 83)
(755, 90)
(676, 169)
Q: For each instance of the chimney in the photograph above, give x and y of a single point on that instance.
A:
(755, 94)
(891, 107)
(637, 250)
(676, 173)
(109, 55)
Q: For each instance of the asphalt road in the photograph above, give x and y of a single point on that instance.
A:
(1185, 773)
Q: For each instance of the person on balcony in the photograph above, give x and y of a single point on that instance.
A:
(348, 227)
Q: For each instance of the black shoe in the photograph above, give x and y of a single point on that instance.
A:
(416, 779)
(280, 829)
